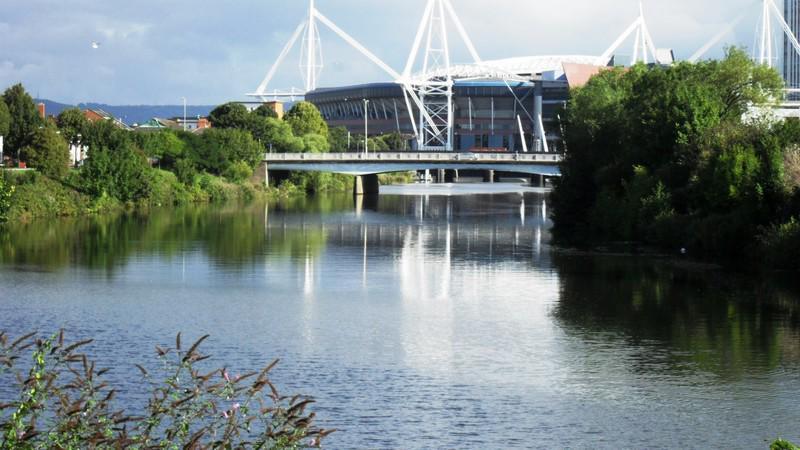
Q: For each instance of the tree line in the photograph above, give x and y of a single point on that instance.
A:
(120, 162)
(687, 158)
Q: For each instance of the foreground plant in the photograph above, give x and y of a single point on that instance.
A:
(63, 403)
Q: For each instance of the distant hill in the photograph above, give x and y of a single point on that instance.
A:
(131, 114)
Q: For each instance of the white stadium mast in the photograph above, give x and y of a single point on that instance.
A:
(434, 85)
(642, 45)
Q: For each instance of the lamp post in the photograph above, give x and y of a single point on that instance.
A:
(184, 113)
(366, 127)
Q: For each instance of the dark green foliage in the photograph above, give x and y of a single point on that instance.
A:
(63, 402)
(105, 134)
(24, 117)
(663, 155)
(47, 152)
(394, 141)
(315, 143)
(6, 194)
(781, 444)
(238, 172)
(275, 135)
(265, 111)
(165, 146)
(338, 139)
(122, 173)
(5, 119)
(72, 122)
(218, 149)
(230, 115)
(305, 118)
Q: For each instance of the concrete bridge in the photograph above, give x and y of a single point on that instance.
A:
(366, 167)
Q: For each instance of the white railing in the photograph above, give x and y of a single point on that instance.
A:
(415, 156)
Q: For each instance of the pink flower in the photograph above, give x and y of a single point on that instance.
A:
(225, 414)
(236, 406)
(226, 376)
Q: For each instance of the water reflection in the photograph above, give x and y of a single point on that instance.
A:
(428, 321)
(710, 321)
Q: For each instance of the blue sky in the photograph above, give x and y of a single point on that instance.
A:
(155, 52)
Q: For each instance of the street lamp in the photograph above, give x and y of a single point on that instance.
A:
(366, 127)
(184, 113)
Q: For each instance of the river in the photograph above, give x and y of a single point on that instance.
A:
(426, 318)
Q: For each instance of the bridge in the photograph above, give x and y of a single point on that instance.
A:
(366, 166)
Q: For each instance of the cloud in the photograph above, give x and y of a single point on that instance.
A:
(211, 51)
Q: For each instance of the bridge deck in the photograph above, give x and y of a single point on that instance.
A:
(416, 157)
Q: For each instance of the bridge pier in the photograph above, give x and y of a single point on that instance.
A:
(451, 176)
(489, 176)
(538, 181)
(440, 177)
(366, 185)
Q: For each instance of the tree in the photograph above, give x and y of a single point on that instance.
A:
(305, 118)
(314, 143)
(265, 111)
(394, 141)
(104, 134)
(48, 152)
(230, 115)
(277, 136)
(72, 123)
(24, 117)
(163, 145)
(5, 119)
(218, 149)
(122, 173)
(338, 139)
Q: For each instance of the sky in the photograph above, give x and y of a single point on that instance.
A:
(159, 51)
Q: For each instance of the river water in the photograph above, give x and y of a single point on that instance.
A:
(426, 318)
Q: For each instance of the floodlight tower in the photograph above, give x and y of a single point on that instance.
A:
(434, 85)
(311, 60)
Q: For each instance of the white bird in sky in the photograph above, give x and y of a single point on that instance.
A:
(95, 45)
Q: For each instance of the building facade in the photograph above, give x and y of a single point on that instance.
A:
(486, 113)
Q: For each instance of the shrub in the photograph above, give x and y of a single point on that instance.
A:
(63, 402)
(48, 152)
(238, 171)
(780, 245)
(6, 193)
(123, 173)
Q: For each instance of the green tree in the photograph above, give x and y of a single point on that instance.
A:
(238, 171)
(24, 117)
(664, 155)
(230, 115)
(122, 173)
(277, 136)
(305, 118)
(395, 141)
(314, 143)
(218, 149)
(5, 119)
(104, 134)
(338, 139)
(265, 111)
(163, 145)
(72, 123)
(48, 152)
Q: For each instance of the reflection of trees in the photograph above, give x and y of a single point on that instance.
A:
(711, 320)
(232, 234)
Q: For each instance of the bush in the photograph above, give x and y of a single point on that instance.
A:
(238, 171)
(63, 402)
(123, 173)
(44, 197)
(6, 193)
(780, 245)
(47, 152)
(218, 149)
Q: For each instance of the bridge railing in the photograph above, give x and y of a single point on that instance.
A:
(415, 156)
